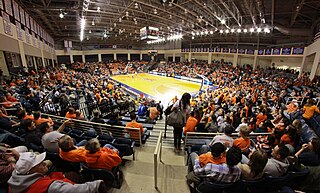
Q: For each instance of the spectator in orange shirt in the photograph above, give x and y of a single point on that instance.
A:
(38, 119)
(69, 152)
(244, 141)
(71, 114)
(308, 111)
(101, 158)
(135, 124)
(22, 115)
(261, 117)
(11, 98)
(190, 124)
(153, 112)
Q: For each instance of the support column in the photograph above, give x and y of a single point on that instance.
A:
(315, 65)
(35, 63)
(255, 60)
(140, 56)
(210, 58)
(174, 57)
(235, 60)
(114, 56)
(99, 58)
(42, 56)
(189, 57)
(22, 54)
(129, 57)
(83, 58)
(302, 65)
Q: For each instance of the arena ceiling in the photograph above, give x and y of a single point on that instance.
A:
(119, 21)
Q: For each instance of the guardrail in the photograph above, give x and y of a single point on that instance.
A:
(197, 138)
(157, 157)
(116, 131)
(12, 103)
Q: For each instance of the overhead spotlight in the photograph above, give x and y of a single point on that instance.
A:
(192, 33)
(192, 37)
(259, 29)
(93, 23)
(170, 16)
(170, 4)
(211, 32)
(136, 6)
(227, 31)
(98, 9)
(221, 31)
(130, 34)
(90, 31)
(104, 35)
(135, 22)
(207, 23)
(232, 30)
(115, 24)
(155, 11)
(127, 14)
(120, 20)
(198, 33)
(87, 38)
(251, 29)
(202, 33)
(266, 30)
(182, 21)
(245, 30)
(263, 20)
(239, 30)
(223, 21)
(206, 32)
(61, 15)
(185, 11)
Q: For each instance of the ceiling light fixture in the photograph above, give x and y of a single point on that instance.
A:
(239, 30)
(93, 22)
(155, 11)
(82, 26)
(136, 6)
(227, 31)
(232, 30)
(266, 30)
(259, 29)
(251, 29)
(202, 33)
(221, 31)
(211, 32)
(98, 9)
(206, 32)
(127, 14)
(223, 21)
(245, 30)
(120, 19)
(104, 35)
(198, 33)
(61, 15)
(192, 37)
(90, 31)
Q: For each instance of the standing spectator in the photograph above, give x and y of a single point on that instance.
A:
(153, 113)
(142, 110)
(160, 109)
(181, 105)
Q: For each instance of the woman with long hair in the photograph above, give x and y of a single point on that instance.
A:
(253, 170)
(181, 105)
(309, 154)
(308, 111)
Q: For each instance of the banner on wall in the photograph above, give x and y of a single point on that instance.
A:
(267, 52)
(6, 23)
(225, 50)
(31, 23)
(260, 52)
(27, 20)
(1, 5)
(22, 17)
(16, 10)
(286, 51)
(297, 51)
(276, 51)
(27, 37)
(217, 49)
(34, 40)
(233, 50)
(8, 6)
(19, 31)
(249, 51)
(241, 51)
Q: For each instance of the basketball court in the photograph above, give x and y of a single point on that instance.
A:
(159, 87)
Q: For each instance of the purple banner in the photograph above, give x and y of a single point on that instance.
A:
(217, 50)
(297, 51)
(225, 50)
(286, 51)
(267, 52)
(250, 51)
(260, 52)
(233, 50)
(276, 51)
(241, 51)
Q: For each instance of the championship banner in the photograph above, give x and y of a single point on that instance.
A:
(22, 17)
(233, 50)
(267, 52)
(6, 23)
(249, 51)
(31, 24)
(297, 51)
(225, 50)
(16, 11)
(19, 31)
(217, 49)
(276, 51)
(241, 51)
(8, 6)
(1, 5)
(260, 52)
(286, 51)
(27, 20)
(27, 36)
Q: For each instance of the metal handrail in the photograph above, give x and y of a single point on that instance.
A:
(157, 156)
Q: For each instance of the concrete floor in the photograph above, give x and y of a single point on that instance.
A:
(139, 174)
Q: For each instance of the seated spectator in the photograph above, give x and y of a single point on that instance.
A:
(50, 137)
(253, 170)
(278, 164)
(142, 110)
(30, 175)
(216, 155)
(190, 124)
(290, 136)
(135, 124)
(244, 141)
(22, 115)
(96, 117)
(308, 111)
(8, 159)
(38, 119)
(261, 117)
(225, 139)
(71, 114)
(309, 154)
(227, 172)
(69, 152)
(79, 116)
(304, 131)
(103, 158)
(244, 122)
(154, 113)
(33, 136)
(115, 118)
(5, 122)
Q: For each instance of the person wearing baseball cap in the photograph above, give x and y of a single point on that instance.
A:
(31, 176)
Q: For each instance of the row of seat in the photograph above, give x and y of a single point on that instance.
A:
(264, 185)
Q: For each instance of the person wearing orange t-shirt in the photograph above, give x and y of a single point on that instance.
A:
(261, 117)
(243, 142)
(190, 124)
(69, 152)
(106, 157)
(38, 119)
(71, 114)
(309, 109)
(135, 124)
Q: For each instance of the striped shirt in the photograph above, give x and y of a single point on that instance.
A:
(217, 172)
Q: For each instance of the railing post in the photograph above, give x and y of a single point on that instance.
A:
(165, 127)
